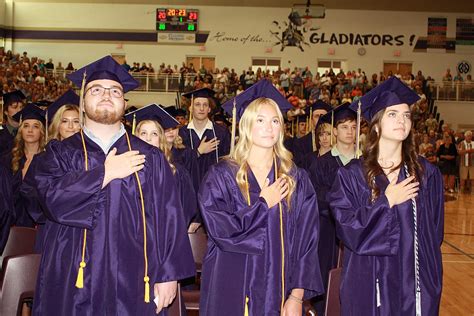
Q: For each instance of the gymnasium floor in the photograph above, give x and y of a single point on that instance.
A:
(458, 256)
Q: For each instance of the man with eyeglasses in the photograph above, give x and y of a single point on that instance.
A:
(115, 239)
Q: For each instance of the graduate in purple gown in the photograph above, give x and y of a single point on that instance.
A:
(116, 237)
(210, 141)
(13, 102)
(389, 214)
(62, 120)
(180, 153)
(322, 173)
(260, 212)
(6, 205)
(28, 143)
(308, 143)
(151, 123)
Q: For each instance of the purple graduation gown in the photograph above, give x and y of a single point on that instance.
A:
(30, 197)
(186, 192)
(191, 140)
(6, 141)
(73, 200)
(302, 148)
(322, 173)
(243, 258)
(6, 205)
(188, 158)
(378, 244)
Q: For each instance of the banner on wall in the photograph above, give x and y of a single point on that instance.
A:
(176, 38)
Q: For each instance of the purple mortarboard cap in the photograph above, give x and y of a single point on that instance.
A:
(155, 113)
(12, 97)
(388, 93)
(104, 68)
(320, 105)
(200, 93)
(30, 112)
(261, 89)
(69, 97)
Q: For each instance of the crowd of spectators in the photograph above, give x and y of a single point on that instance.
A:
(40, 80)
(33, 76)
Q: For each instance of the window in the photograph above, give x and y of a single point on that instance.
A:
(335, 65)
(208, 62)
(271, 64)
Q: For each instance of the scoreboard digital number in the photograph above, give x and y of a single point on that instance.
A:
(177, 20)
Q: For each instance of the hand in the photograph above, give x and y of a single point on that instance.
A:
(166, 292)
(193, 227)
(208, 146)
(274, 193)
(398, 193)
(292, 307)
(123, 165)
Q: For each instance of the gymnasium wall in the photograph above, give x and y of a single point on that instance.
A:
(233, 35)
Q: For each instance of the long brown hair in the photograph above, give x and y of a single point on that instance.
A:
(370, 154)
(18, 150)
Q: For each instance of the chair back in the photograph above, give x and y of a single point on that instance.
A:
(175, 309)
(333, 303)
(18, 282)
(21, 241)
(198, 242)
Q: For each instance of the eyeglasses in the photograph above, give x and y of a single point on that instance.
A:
(98, 90)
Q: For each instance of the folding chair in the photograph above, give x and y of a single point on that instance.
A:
(175, 309)
(198, 242)
(18, 282)
(21, 240)
(333, 303)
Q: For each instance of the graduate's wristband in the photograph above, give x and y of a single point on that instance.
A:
(296, 299)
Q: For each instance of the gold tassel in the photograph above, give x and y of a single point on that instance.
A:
(246, 310)
(1, 110)
(80, 275)
(332, 126)
(191, 109)
(147, 289)
(46, 128)
(81, 100)
(359, 105)
(234, 126)
(82, 265)
(134, 123)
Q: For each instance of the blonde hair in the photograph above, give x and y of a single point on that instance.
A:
(162, 144)
(18, 150)
(53, 129)
(242, 148)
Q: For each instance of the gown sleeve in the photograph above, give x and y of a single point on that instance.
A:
(172, 247)
(6, 205)
(232, 224)
(70, 198)
(319, 176)
(364, 228)
(29, 193)
(305, 272)
(437, 197)
(187, 194)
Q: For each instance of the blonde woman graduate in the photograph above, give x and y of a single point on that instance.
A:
(261, 214)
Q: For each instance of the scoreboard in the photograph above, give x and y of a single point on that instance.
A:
(177, 20)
